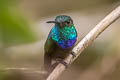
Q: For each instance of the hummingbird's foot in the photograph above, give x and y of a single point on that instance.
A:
(73, 54)
(59, 60)
(64, 63)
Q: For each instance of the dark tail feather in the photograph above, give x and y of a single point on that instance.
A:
(48, 66)
(47, 62)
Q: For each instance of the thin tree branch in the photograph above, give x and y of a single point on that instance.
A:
(23, 69)
(88, 39)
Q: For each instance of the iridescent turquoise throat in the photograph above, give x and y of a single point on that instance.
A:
(65, 37)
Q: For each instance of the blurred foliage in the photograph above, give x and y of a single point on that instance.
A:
(1, 76)
(37, 8)
(93, 54)
(13, 27)
(14, 30)
(97, 62)
(8, 75)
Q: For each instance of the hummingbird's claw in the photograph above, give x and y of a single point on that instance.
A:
(64, 63)
(59, 60)
(73, 54)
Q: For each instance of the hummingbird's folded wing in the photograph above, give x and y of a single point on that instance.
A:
(48, 51)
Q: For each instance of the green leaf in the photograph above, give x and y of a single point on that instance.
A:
(13, 28)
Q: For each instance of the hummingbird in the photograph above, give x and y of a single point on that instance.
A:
(60, 41)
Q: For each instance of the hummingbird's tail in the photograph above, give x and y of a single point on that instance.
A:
(47, 62)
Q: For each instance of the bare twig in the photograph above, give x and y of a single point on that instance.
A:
(88, 39)
(26, 70)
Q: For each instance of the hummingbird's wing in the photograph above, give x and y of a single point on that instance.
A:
(76, 33)
(49, 50)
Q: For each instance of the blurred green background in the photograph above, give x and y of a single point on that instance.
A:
(23, 31)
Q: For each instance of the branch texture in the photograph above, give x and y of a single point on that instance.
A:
(88, 39)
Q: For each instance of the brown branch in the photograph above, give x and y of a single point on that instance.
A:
(88, 39)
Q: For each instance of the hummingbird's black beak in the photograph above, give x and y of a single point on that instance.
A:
(52, 22)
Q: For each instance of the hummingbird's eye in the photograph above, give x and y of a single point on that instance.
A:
(68, 22)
